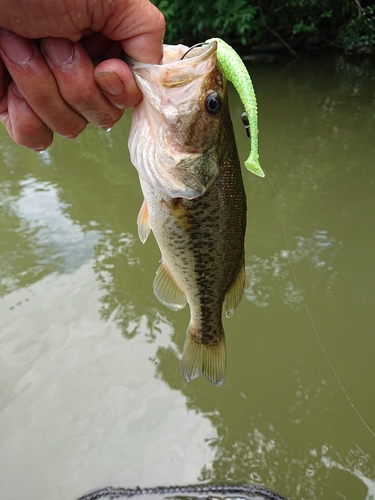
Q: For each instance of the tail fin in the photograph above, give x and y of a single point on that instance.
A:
(203, 359)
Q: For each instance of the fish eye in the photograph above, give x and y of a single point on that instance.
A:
(213, 103)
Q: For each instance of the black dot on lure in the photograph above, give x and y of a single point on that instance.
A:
(245, 121)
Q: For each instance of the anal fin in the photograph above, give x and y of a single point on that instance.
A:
(203, 359)
(234, 294)
(167, 290)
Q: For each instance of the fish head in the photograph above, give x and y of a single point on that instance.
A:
(176, 134)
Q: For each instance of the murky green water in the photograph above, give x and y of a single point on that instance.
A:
(91, 384)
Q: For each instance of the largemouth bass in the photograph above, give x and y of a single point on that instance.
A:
(183, 146)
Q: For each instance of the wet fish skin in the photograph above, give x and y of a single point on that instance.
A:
(201, 239)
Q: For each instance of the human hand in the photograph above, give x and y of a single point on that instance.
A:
(60, 65)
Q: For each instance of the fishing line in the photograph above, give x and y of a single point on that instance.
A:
(200, 44)
(310, 316)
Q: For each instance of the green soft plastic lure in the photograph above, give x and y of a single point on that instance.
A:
(236, 72)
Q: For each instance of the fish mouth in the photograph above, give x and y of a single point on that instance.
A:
(180, 66)
(158, 148)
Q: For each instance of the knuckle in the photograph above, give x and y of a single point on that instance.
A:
(81, 98)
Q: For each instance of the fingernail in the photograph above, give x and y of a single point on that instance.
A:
(17, 49)
(59, 51)
(110, 82)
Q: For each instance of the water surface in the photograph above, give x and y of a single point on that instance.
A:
(91, 386)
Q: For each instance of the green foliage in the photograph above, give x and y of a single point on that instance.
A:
(192, 20)
(349, 24)
(359, 34)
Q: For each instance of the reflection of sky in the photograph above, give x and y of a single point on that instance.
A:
(39, 204)
(330, 463)
(84, 406)
(268, 274)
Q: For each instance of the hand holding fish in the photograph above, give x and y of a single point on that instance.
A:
(60, 65)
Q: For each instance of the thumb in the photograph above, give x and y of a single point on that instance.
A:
(145, 47)
(140, 28)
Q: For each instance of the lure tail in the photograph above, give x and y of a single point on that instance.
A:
(236, 72)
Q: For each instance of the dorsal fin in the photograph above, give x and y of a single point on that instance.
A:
(166, 289)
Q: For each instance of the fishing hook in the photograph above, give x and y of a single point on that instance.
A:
(200, 44)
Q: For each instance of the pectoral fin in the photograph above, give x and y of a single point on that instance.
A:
(234, 294)
(143, 223)
(167, 290)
